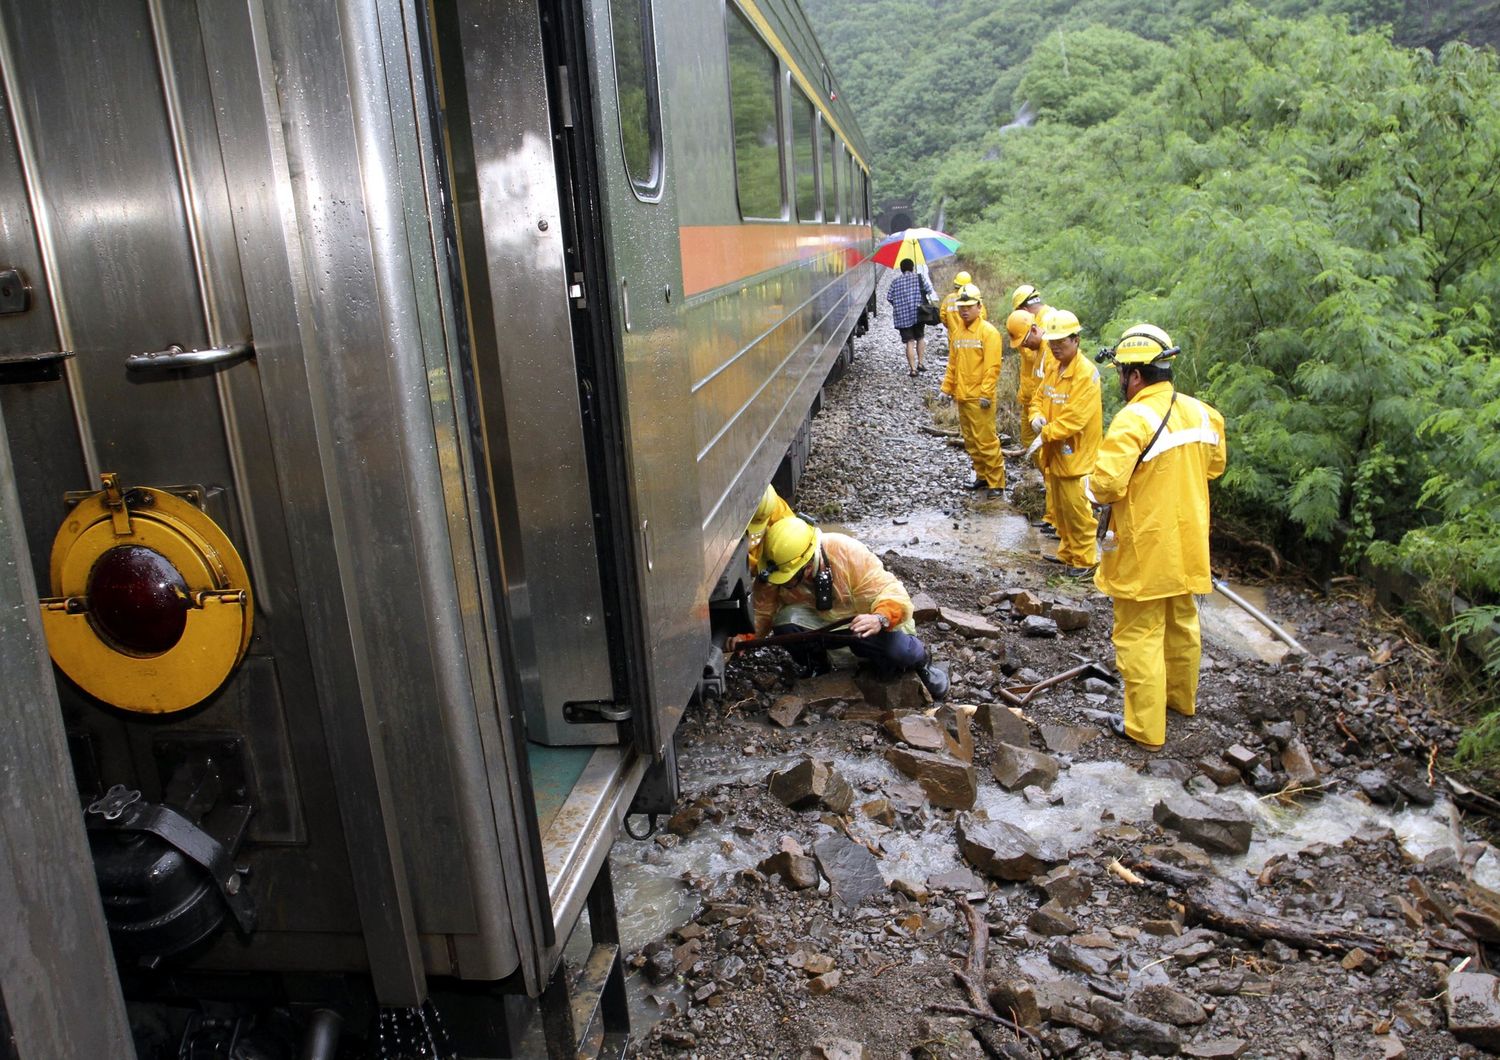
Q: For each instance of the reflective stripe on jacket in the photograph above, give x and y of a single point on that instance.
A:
(974, 353)
(861, 586)
(1069, 401)
(1160, 510)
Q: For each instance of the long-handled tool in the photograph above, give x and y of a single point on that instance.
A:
(822, 633)
(1020, 695)
(1257, 614)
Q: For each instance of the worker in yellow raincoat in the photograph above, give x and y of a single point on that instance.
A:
(1027, 297)
(1153, 471)
(1068, 416)
(810, 578)
(772, 509)
(972, 379)
(948, 307)
(1026, 341)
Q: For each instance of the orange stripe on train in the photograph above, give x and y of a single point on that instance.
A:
(715, 255)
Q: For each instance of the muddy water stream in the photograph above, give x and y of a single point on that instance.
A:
(1092, 796)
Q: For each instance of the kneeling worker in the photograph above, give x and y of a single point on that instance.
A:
(1153, 470)
(974, 352)
(772, 509)
(811, 579)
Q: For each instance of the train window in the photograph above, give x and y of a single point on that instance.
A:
(753, 77)
(864, 198)
(804, 156)
(830, 174)
(852, 213)
(635, 88)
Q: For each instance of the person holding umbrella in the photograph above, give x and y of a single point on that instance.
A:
(908, 292)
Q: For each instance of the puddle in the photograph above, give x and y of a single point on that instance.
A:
(1227, 626)
(987, 533)
(981, 531)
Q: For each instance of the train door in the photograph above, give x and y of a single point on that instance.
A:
(636, 378)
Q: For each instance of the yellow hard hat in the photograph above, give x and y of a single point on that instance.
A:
(968, 294)
(1024, 294)
(1018, 325)
(1059, 325)
(790, 543)
(962, 279)
(1144, 344)
(768, 503)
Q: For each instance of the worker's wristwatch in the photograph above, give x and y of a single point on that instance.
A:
(885, 623)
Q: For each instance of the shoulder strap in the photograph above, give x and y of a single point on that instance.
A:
(1159, 428)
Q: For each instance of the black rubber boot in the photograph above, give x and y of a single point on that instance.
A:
(935, 677)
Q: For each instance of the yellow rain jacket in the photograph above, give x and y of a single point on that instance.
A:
(974, 352)
(1069, 401)
(1160, 509)
(948, 311)
(781, 510)
(1033, 370)
(861, 586)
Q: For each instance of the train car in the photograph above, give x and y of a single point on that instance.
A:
(385, 386)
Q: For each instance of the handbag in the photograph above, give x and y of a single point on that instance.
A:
(927, 313)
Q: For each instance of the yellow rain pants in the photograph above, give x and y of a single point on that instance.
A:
(977, 425)
(1157, 649)
(1074, 520)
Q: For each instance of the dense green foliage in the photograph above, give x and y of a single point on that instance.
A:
(1308, 206)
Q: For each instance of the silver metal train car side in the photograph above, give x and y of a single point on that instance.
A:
(385, 386)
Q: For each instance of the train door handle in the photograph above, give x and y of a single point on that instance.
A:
(177, 357)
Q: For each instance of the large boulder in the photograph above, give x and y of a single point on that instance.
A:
(1212, 823)
(947, 782)
(1004, 724)
(903, 692)
(916, 730)
(1001, 850)
(852, 871)
(811, 784)
(1017, 767)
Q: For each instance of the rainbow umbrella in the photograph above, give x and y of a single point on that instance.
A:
(922, 245)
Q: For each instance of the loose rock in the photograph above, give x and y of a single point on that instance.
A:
(947, 782)
(797, 872)
(1474, 1008)
(1002, 850)
(852, 871)
(1168, 1005)
(971, 625)
(787, 710)
(1212, 823)
(1038, 626)
(1015, 768)
(811, 783)
(917, 730)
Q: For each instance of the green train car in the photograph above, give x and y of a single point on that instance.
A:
(385, 386)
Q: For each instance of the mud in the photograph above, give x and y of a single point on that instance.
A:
(728, 962)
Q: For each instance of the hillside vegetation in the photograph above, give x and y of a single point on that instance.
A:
(1308, 206)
